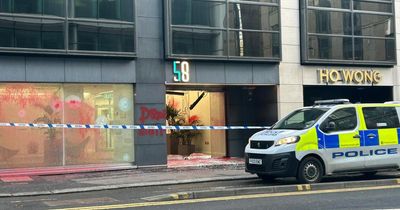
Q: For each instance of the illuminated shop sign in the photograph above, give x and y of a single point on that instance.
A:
(181, 71)
(348, 76)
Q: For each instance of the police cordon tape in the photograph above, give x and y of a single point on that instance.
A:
(132, 127)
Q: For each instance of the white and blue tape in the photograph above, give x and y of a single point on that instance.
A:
(132, 127)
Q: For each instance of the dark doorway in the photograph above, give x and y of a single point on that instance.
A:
(364, 94)
(248, 106)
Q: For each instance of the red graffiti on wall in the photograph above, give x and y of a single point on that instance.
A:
(148, 115)
(22, 95)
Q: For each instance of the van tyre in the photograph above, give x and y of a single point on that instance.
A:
(266, 178)
(310, 171)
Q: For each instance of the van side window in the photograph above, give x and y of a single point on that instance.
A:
(381, 117)
(340, 120)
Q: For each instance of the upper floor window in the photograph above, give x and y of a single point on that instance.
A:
(224, 29)
(348, 32)
(68, 26)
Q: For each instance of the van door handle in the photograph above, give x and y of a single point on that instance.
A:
(371, 135)
(356, 136)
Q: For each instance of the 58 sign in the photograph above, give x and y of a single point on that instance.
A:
(181, 71)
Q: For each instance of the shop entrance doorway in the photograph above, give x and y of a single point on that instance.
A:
(196, 107)
(356, 94)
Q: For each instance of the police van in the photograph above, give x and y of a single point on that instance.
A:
(333, 136)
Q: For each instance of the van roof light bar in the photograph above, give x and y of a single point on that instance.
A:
(332, 102)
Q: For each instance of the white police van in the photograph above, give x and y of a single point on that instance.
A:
(333, 136)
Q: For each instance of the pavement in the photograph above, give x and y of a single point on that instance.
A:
(195, 170)
(42, 184)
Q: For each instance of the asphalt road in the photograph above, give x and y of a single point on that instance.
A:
(371, 199)
(376, 199)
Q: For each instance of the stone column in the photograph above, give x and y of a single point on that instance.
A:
(150, 145)
(290, 90)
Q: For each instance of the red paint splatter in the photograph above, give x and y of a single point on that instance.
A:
(57, 105)
(151, 114)
(147, 114)
(74, 104)
(21, 113)
(22, 94)
(193, 119)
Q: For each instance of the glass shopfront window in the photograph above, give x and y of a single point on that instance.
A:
(224, 29)
(64, 104)
(353, 31)
(94, 26)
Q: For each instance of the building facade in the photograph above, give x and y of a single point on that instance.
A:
(181, 62)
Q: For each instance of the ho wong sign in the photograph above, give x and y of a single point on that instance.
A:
(349, 76)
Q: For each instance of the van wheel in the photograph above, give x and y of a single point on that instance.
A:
(310, 171)
(266, 178)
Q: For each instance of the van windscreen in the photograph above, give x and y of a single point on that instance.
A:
(301, 119)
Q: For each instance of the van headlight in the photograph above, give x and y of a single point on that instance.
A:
(288, 140)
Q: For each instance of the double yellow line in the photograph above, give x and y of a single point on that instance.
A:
(230, 198)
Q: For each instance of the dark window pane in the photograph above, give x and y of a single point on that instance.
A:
(53, 34)
(5, 5)
(117, 38)
(326, 22)
(27, 33)
(350, 23)
(343, 119)
(200, 13)
(28, 6)
(262, 1)
(128, 39)
(127, 10)
(372, 6)
(331, 48)
(110, 38)
(83, 8)
(83, 36)
(254, 44)
(374, 49)
(373, 25)
(101, 37)
(6, 33)
(199, 42)
(109, 9)
(256, 17)
(345, 4)
(381, 117)
(54, 7)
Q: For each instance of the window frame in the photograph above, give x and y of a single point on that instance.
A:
(304, 35)
(67, 20)
(168, 38)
